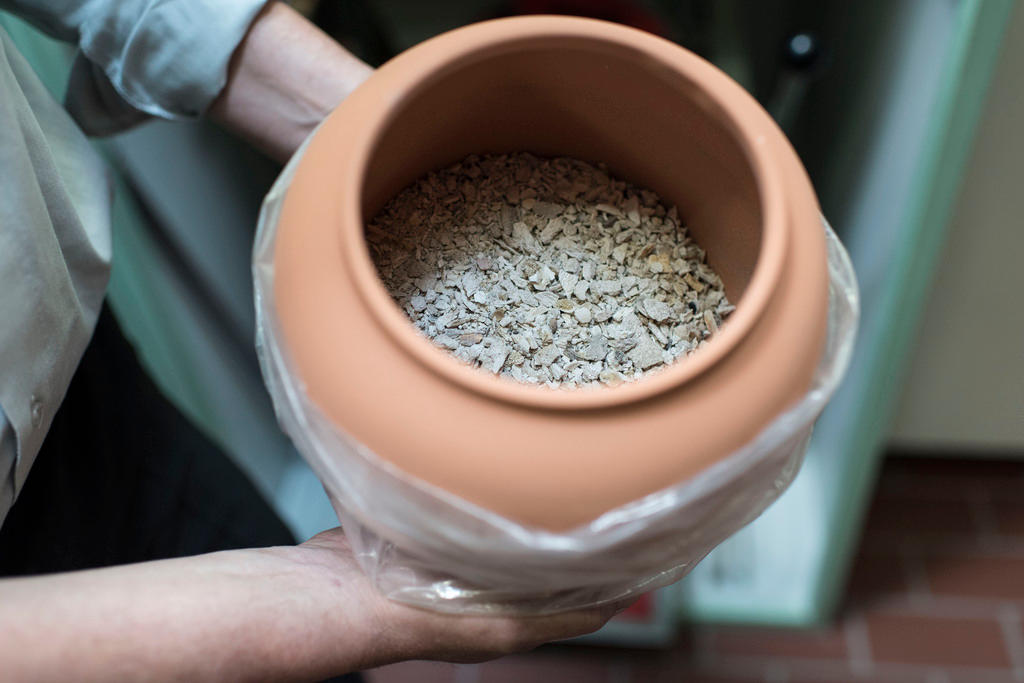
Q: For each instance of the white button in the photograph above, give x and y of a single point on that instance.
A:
(37, 411)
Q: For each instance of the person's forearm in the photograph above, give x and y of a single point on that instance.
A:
(282, 614)
(285, 77)
(233, 615)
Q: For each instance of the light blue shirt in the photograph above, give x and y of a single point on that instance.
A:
(137, 58)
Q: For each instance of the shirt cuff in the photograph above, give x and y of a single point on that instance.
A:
(168, 59)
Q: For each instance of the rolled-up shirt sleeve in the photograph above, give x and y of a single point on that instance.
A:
(138, 58)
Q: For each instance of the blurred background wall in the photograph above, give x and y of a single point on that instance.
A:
(965, 388)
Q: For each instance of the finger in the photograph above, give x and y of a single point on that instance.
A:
(534, 631)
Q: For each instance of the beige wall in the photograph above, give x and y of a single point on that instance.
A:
(966, 380)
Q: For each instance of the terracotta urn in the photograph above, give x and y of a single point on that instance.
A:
(659, 117)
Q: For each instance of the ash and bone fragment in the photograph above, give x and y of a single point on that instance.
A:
(547, 271)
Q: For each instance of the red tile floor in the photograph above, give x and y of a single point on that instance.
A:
(936, 595)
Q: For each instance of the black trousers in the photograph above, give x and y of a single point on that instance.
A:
(123, 477)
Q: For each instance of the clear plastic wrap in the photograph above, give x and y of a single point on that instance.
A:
(424, 546)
